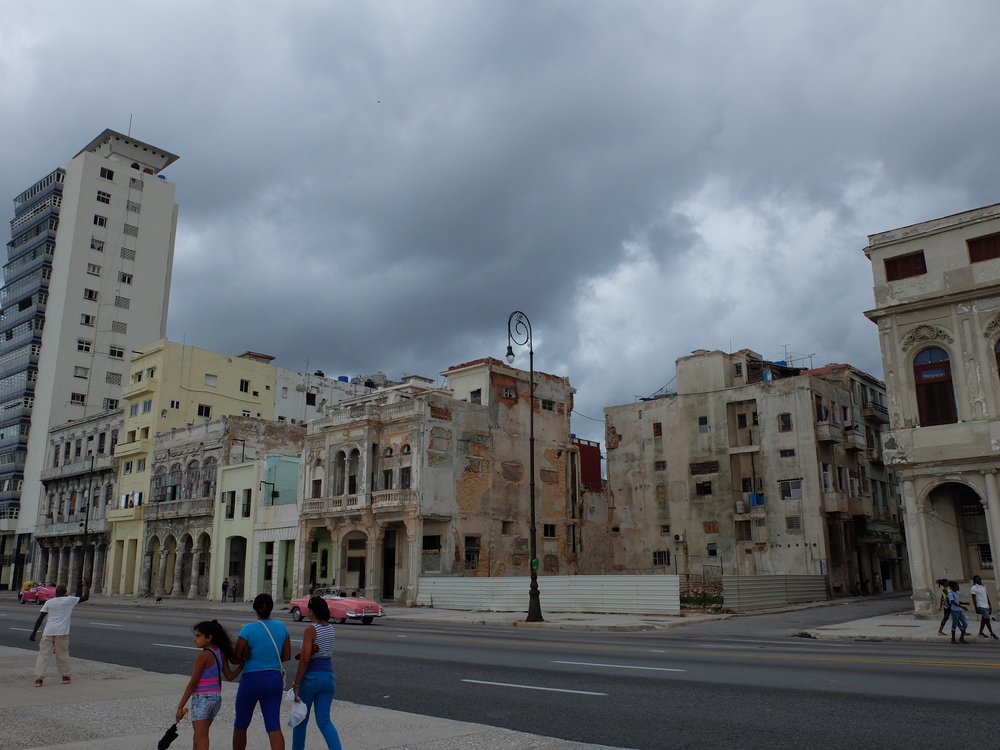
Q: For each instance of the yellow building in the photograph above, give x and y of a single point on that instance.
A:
(172, 386)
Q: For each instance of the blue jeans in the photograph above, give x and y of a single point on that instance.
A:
(958, 619)
(316, 690)
(264, 688)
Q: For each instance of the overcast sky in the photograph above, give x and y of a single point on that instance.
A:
(373, 186)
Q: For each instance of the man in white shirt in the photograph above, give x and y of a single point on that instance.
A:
(55, 637)
(981, 601)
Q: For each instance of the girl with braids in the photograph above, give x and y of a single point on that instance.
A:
(205, 686)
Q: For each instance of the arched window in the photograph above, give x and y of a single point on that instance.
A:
(159, 484)
(209, 476)
(192, 480)
(388, 452)
(935, 396)
(405, 450)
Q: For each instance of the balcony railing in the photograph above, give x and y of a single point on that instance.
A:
(203, 506)
(393, 498)
(875, 411)
(126, 514)
(375, 411)
(827, 432)
(337, 504)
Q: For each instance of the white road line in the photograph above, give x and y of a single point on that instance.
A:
(26, 630)
(618, 666)
(533, 687)
(109, 624)
(174, 645)
(786, 642)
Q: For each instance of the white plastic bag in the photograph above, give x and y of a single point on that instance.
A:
(289, 694)
(297, 715)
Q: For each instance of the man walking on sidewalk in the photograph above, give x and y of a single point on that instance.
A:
(55, 637)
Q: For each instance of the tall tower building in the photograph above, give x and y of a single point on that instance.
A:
(87, 280)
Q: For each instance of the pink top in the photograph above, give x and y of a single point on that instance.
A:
(211, 677)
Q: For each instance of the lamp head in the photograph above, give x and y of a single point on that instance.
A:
(510, 354)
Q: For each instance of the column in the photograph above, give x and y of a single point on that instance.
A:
(195, 567)
(161, 577)
(145, 574)
(916, 541)
(52, 569)
(992, 505)
(100, 559)
(178, 589)
(414, 528)
(62, 575)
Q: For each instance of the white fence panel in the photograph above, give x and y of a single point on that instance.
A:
(743, 593)
(618, 594)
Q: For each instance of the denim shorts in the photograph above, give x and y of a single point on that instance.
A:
(984, 611)
(205, 706)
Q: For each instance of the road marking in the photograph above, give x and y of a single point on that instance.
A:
(618, 666)
(811, 642)
(534, 687)
(173, 645)
(109, 624)
(26, 630)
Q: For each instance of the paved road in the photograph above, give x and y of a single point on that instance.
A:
(744, 681)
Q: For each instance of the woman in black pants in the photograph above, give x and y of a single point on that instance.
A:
(943, 604)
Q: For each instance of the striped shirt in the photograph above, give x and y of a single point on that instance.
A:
(211, 677)
(322, 660)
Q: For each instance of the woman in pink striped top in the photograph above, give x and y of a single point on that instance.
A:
(205, 686)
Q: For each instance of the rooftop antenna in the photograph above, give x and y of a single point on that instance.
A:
(129, 125)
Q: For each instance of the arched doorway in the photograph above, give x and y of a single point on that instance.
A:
(958, 535)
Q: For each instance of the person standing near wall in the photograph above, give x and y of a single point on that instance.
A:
(981, 601)
(55, 637)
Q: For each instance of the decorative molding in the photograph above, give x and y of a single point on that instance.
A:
(992, 327)
(925, 333)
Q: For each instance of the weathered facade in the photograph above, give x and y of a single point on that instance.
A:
(415, 480)
(937, 307)
(754, 467)
(78, 490)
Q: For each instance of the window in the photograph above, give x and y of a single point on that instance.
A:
(387, 479)
(107, 174)
(135, 183)
(703, 424)
(82, 345)
(127, 467)
(405, 450)
(935, 398)
(905, 266)
(310, 399)
(81, 372)
(96, 244)
(713, 550)
(791, 489)
(509, 393)
(404, 478)
(204, 410)
(793, 523)
(100, 221)
(703, 488)
(117, 352)
(472, 553)
(78, 398)
(744, 531)
(90, 294)
(246, 503)
(507, 528)
(985, 557)
(210, 380)
(133, 207)
(661, 558)
(246, 412)
(130, 230)
(133, 410)
(741, 421)
(103, 197)
(738, 369)
(787, 453)
(711, 527)
(549, 530)
(548, 405)
(175, 404)
(659, 465)
(229, 501)
(657, 429)
(755, 419)
(140, 465)
(109, 405)
(128, 253)
(664, 529)
(476, 396)
(147, 406)
(245, 388)
(122, 302)
(785, 422)
(119, 327)
(984, 248)
(93, 269)
(124, 278)
(747, 484)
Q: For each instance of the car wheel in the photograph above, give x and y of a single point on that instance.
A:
(367, 620)
(340, 620)
(21, 599)
(296, 615)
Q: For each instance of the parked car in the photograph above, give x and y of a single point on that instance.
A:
(342, 608)
(38, 592)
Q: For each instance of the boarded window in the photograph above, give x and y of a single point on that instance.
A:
(657, 429)
(711, 527)
(984, 248)
(705, 467)
(905, 266)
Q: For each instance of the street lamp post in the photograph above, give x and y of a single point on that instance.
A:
(519, 332)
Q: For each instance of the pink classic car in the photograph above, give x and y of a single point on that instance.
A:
(342, 608)
(38, 592)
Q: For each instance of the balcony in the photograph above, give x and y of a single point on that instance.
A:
(835, 502)
(875, 412)
(860, 506)
(393, 499)
(79, 465)
(874, 456)
(133, 448)
(146, 385)
(202, 506)
(854, 441)
(338, 504)
(827, 432)
(126, 514)
(71, 523)
(8, 519)
(733, 450)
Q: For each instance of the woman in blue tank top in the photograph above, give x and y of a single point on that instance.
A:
(314, 684)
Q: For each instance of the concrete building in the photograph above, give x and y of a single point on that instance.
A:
(755, 467)
(87, 278)
(78, 490)
(415, 479)
(937, 307)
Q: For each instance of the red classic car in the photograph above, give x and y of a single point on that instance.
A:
(38, 592)
(342, 608)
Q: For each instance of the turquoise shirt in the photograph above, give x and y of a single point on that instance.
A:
(263, 655)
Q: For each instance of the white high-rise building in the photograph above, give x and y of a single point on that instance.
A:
(87, 279)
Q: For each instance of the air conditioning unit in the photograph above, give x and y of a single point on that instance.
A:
(680, 537)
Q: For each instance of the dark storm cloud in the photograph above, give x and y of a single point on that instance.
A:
(376, 186)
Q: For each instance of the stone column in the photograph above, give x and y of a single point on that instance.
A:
(145, 575)
(916, 540)
(161, 578)
(414, 532)
(992, 505)
(62, 574)
(178, 589)
(100, 559)
(195, 566)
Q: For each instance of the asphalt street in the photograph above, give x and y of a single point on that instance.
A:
(745, 680)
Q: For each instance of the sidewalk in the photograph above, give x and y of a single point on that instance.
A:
(899, 627)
